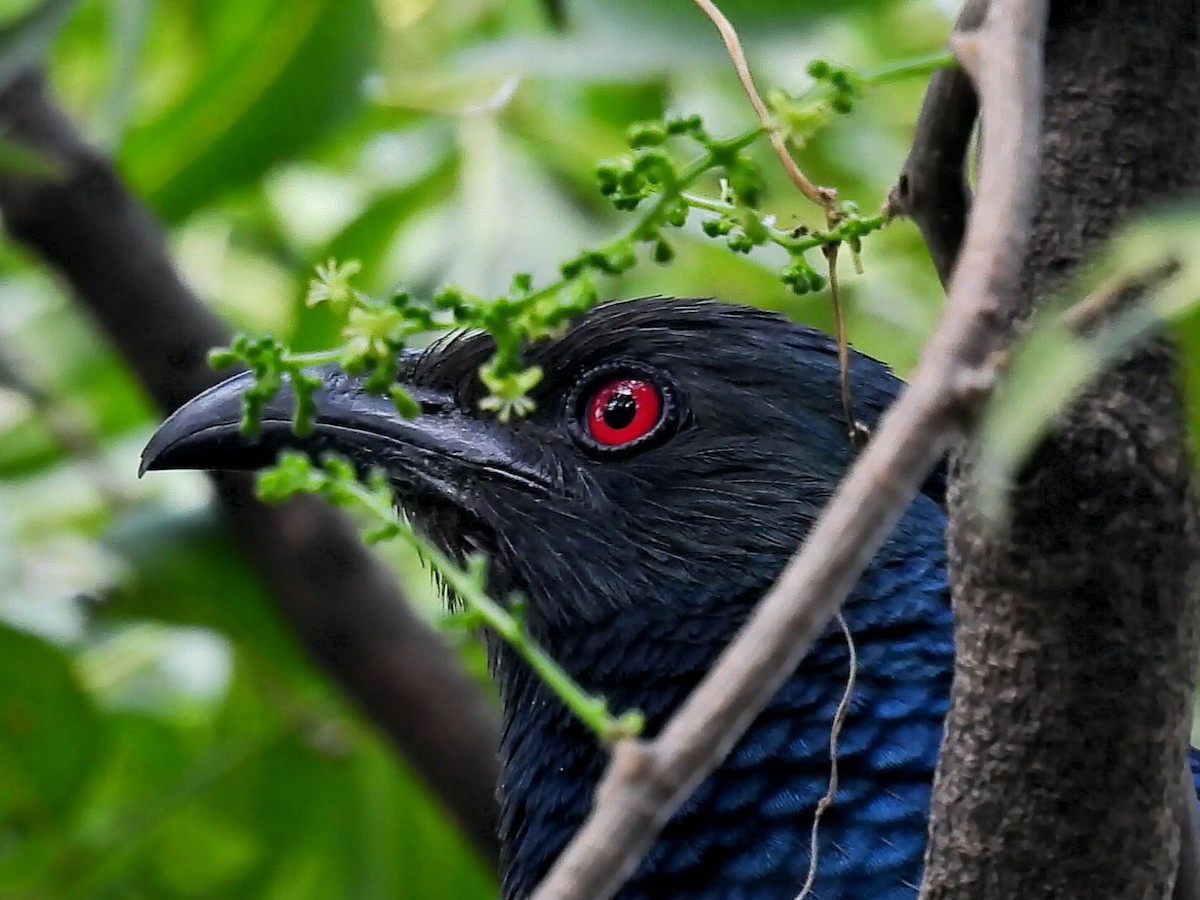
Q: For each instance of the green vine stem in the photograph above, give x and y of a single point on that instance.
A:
(336, 480)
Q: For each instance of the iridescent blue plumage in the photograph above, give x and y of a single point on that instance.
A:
(746, 831)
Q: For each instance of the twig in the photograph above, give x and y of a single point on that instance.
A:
(1104, 300)
(932, 188)
(337, 482)
(1082, 315)
(824, 197)
(647, 781)
(855, 430)
(835, 731)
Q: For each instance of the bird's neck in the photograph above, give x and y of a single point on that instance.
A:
(651, 658)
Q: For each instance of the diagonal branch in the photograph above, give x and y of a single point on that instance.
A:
(343, 605)
(647, 781)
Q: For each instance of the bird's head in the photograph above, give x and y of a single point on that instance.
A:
(678, 449)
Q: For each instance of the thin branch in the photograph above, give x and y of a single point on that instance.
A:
(647, 781)
(344, 607)
(824, 197)
(932, 189)
(835, 732)
(856, 431)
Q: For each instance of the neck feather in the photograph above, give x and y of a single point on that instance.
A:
(746, 832)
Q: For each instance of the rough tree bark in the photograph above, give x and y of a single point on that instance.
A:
(343, 606)
(1075, 628)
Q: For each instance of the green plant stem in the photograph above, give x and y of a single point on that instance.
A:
(646, 222)
(909, 68)
(590, 709)
(520, 316)
(848, 228)
(314, 357)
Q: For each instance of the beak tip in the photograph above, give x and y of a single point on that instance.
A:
(179, 441)
(150, 455)
(153, 453)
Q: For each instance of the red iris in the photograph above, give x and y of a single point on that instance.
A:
(622, 411)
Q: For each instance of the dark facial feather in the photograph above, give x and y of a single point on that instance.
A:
(761, 432)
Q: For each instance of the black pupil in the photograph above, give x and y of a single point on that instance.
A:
(620, 409)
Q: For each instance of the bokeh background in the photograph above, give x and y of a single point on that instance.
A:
(161, 734)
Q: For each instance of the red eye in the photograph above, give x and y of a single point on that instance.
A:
(622, 411)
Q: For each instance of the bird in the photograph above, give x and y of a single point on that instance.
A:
(677, 452)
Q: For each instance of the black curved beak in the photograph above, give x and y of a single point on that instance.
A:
(443, 447)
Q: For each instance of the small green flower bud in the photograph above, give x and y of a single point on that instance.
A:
(819, 69)
(221, 358)
(406, 406)
(647, 134)
(684, 125)
(607, 175)
(739, 243)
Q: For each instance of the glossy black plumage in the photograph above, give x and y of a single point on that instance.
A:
(638, 566)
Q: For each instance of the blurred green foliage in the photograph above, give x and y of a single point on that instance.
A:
(161, 735)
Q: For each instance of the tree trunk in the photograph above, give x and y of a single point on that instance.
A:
(1075, 633)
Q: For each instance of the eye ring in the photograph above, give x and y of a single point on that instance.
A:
(620, 408)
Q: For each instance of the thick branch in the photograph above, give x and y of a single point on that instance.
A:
(1075, 629)
(647, 782)
(342, 604)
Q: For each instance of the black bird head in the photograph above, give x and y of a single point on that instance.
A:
(674, 445)
(677, 452)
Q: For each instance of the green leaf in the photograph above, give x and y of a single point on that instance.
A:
(290, 74)
(152, 819)
(1149, 276)
(50, 734)
(184, 569)
(127, 34)
(366, 237)
(146, 755)
(396, 841)
(200, 853)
